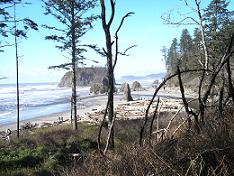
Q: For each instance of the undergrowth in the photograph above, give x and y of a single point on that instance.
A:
(48, 151)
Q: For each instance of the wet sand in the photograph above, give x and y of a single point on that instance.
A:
(92, 106)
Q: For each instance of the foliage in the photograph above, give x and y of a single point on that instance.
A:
(75, 23)
(46, 150)
(7, 24)
(210, 153)
(188, 53)
(22, 157)
(82, 23)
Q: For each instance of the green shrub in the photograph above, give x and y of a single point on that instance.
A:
(63, 157)
(22, 157)
(128, 136)
(51, 163)
(72, 145)
(87, 144)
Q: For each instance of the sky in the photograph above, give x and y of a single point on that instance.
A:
(145, 29)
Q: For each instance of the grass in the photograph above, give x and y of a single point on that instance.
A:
(48, 151)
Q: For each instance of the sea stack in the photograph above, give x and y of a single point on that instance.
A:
(127, 93)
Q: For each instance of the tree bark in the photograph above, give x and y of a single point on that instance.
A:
(110, 71)
(17, 71)
(74, 93)
(202, 28)
(230, 84)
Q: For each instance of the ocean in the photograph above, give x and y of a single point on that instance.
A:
(36, 99)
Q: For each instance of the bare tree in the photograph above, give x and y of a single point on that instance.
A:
(111, 62)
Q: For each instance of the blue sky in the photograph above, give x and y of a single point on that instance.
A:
(145, 29)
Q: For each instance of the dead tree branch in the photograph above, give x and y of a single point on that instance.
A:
(156, 113)
(230, 84)
(109, 135)
(117, 39)
(224, 60)
(202, 29)
(110, 66)
(155, 94)
(188, 110)
(100, 128)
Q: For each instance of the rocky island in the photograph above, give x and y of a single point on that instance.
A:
(85, 76)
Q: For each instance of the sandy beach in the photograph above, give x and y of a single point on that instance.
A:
(91, 108)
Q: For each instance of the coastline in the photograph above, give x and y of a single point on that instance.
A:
(87, 104)
(95, 104)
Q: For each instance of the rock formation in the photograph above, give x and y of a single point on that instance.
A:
(102, 87)
(127, 93)
(136, 86)
(155, 83)
(99, 88)
(85, 76)
(121, 89)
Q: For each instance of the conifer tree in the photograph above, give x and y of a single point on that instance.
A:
(216, 16)
(185, 49)
(18, 28)
(74, 23)
(173, 56)
(197, 49)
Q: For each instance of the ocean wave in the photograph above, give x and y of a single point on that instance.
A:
(35, 100)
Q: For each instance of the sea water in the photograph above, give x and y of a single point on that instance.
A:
(36, 99)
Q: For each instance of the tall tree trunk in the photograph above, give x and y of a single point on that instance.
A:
(202, 28)
(17, 70)
(110, 84)
(111, 104)
(106, 28)
(74, 94)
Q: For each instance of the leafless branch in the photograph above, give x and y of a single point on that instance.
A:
(155, 94)
(2, 46)
(100, 128)
(125, 52)
(155, 115)
(181, 22)
(188, 111)
(117, 39)
(109, 135)
(112, 12)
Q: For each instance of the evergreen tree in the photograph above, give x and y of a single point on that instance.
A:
(7, 23)
(74, 24)
(197, 49)
(173, 56)
(216, 17)
(185, 48)
(18, 28)
(226, 33)
(164, 51)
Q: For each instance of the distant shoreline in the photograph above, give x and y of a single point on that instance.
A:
(91, 103)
